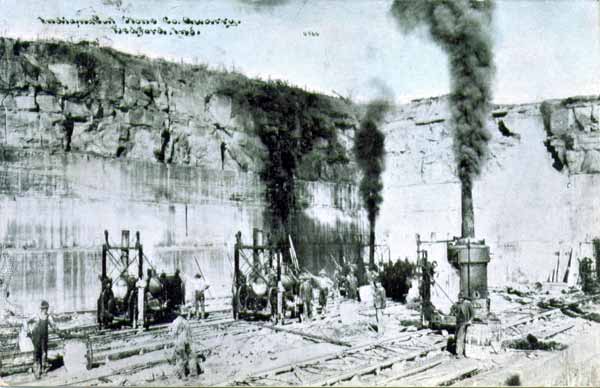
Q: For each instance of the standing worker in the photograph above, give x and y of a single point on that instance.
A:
(379, 304)
(427, 281)
(184, 356)
(280, 302)
(199, 286)
(464, 315)
(306, 293)
(106, 304)
(352, 286)
(39, 337)
(324, 286)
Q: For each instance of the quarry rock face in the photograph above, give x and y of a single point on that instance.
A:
(93, 139)
(573, 128)
(536, 195)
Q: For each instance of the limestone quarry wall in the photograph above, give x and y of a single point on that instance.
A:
(535, 196)
(92, 139)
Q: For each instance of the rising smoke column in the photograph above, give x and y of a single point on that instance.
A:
(461, 28)
(369, 148)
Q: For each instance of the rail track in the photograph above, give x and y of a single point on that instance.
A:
(105, 346)
(377, 363)
(102, 345)
(325, 370)
(380, 362)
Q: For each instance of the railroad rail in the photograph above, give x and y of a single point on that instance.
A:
(413, 352)
(324, 370)
(102, 345)
(370, 360)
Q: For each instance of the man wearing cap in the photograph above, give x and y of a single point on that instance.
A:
(306, 293)
(106, 303)
(379, 304)
(323, 292)
(39, 337)
(464, 315)
(199, 286)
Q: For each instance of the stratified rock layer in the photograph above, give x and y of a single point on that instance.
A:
(537, 194)
(93, 139)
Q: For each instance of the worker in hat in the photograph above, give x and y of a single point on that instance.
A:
(306, 295)
(464, 313)
(38, 331)
(199, 287)
(379, 304)
(184, 356)
(106, 304)
(324, 291)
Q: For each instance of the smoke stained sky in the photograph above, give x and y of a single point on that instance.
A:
(543, 49)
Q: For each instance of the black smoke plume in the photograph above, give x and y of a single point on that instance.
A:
(369, 148)
(461, 28)
(291, 123)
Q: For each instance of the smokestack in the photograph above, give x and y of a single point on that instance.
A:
(372, 245)
(461, 28)
(468, 217)
(369, 148)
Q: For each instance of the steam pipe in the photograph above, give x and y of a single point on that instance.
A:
(236, 273)
(372, 245)
(468, 217)
(104, 250)
(236, 256)
(469, 268)
(278, 254)
(140, 255)
(125, 247)
(256, 242)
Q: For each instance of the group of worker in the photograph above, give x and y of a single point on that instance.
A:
(308, 307)
(185, 356)
(347, 281)
(199, 285)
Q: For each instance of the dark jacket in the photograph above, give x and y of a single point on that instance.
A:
(464, 312)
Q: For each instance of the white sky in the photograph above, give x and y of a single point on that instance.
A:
(543, 49)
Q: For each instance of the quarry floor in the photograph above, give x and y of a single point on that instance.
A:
(234, 358)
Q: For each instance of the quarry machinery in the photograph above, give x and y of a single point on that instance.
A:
(425, 271)
(132, 299)
(268, 285)
(264, 286)
(470, 258)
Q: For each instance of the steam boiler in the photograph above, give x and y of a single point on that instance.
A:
(471, 258)
(118, 303)
(263, 286)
